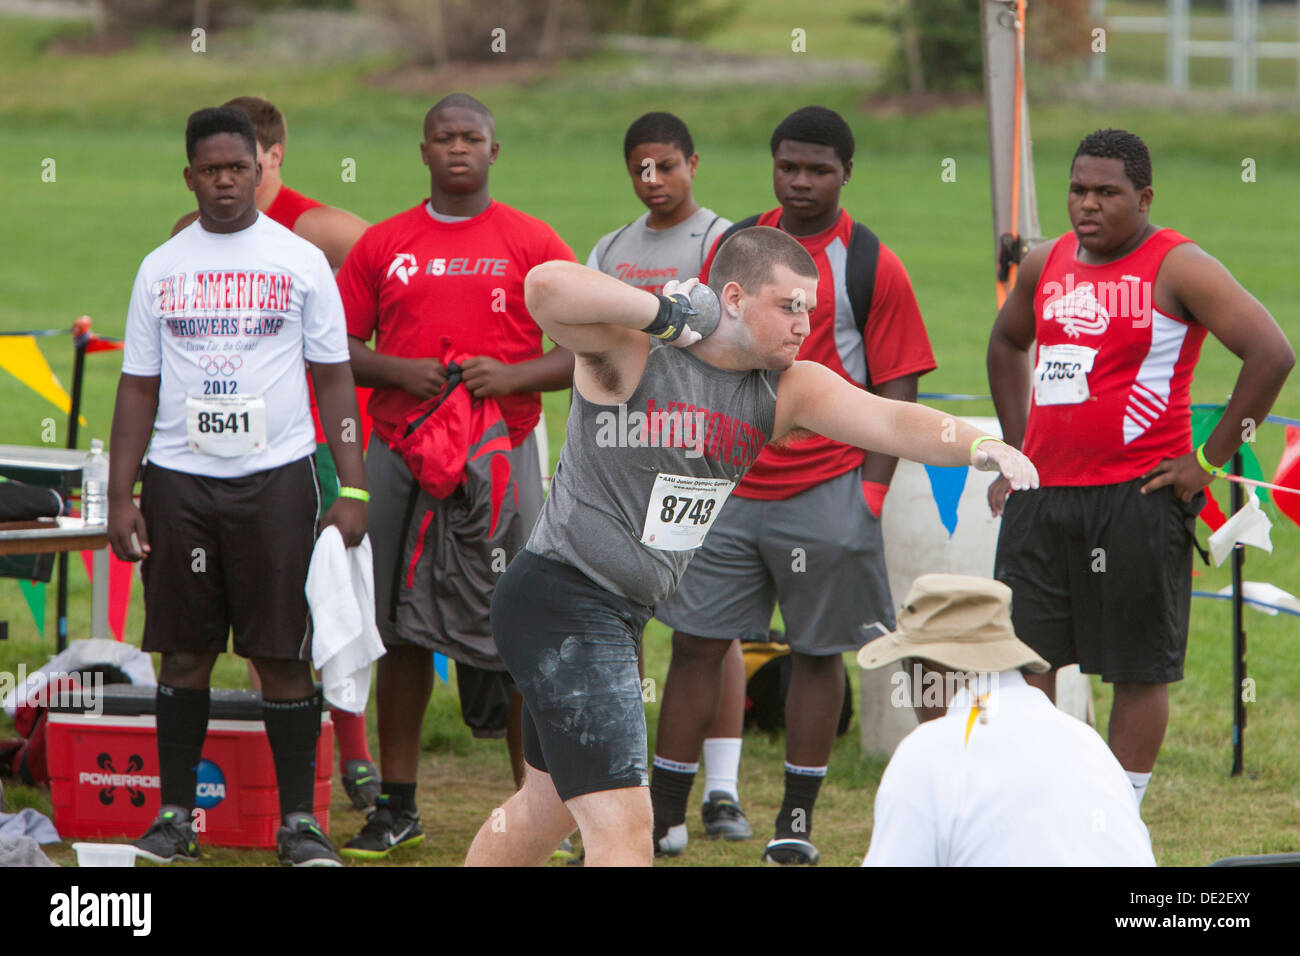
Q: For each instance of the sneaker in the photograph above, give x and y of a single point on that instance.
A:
(301, 842)
(670, 842)
(788, 851)
(361, 783)
(384, 832)
(170, 837)
(724, 818)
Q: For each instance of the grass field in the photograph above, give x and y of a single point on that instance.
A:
(113, 125)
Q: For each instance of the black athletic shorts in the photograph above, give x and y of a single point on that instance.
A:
(1101, 576)
(484, 700)
(571, 647)
(229, 553)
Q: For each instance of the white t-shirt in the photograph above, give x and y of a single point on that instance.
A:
(226, 320)
(1031, 787)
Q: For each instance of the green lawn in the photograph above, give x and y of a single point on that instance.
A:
(113, 125)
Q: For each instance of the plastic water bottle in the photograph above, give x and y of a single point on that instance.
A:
(94, 485)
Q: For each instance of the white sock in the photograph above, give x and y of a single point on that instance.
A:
(722, 766)
(1139, 781)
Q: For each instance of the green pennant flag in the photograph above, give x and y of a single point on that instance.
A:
(1204, 421)
(34, 592)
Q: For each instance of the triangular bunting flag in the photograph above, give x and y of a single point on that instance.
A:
(947, 484)
(34, 592)
(1204, 421)
(20, 357)
(1288, 475)
(120, 574)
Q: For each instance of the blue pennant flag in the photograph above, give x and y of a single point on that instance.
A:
(947, 484)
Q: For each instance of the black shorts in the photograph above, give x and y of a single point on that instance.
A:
(571, 647)
(229, 553)
(1101, 576)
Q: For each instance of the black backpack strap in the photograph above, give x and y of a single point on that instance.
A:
(704, 239)
(734, 228)
(864, 256)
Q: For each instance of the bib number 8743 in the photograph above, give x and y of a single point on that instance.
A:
(217, 423)
(699, 514)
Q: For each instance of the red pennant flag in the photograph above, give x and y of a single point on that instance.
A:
(120, 574)
(1211, 513)
(97, 344)
(1288, 475)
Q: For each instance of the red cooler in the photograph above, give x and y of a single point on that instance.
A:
(104, 769)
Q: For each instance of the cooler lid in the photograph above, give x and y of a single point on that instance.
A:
(133, 700)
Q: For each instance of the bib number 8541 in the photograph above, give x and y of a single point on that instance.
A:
(216, 423)
(699, 514)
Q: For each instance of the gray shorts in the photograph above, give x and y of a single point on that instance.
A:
(819, 554)
(435, 570)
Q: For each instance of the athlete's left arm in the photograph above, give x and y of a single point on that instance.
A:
(336, 401)
(487, 377)
(332, 231)
(811, 396)
(1207, 293)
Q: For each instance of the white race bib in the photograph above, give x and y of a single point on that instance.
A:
(681, 511)
(1061, 376)
(227, 426)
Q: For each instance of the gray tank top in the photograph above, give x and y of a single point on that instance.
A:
(639, 484)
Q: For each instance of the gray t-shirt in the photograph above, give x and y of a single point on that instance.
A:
(639, 483)
(647, 258)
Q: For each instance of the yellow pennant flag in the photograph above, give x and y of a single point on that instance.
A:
(20, 357)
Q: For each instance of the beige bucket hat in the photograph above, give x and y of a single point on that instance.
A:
(957, 621)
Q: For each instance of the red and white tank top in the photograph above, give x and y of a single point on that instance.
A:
(1112, 374)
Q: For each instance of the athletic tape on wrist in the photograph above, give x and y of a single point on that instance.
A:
(674, 310)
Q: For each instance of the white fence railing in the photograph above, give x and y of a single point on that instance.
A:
(1243, 48)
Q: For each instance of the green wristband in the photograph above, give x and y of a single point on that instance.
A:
(358, 493)
(1204, 463)
(981, 440)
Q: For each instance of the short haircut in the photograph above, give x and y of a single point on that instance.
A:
(1123, 145)
(218, 119)
(817, 124)
(268, 122)
(461, 101)
(658, 128)
(747, 258)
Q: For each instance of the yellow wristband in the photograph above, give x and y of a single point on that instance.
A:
(981, 440)
(1204, 463)
(359, 493)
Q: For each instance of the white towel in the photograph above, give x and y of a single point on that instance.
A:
(345, 640)
(1248, 526)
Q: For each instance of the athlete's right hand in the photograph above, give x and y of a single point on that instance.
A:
(687, 336)
(424, 377)
(999, 491)
(126, 531)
